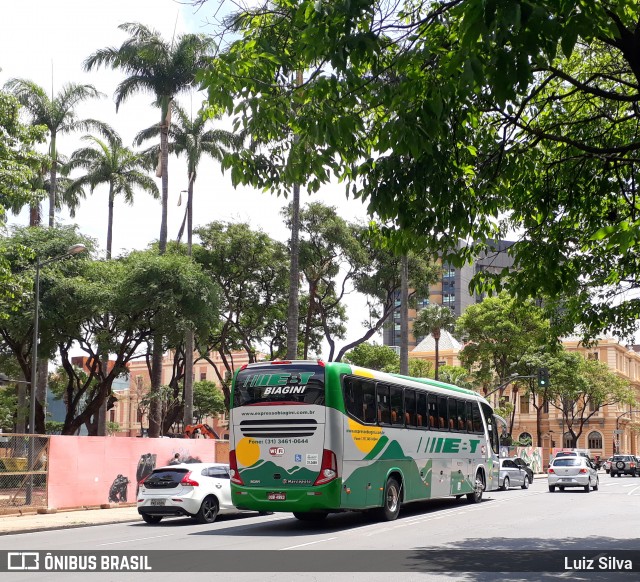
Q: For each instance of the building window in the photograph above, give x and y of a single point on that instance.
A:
(112, 416)
(593, 356)
(594, 440)
(545, 406)
(524, 404)
(203, 376)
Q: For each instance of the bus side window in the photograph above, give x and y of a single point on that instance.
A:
(382, 403)
(369, 406)
(462, 415)
(397, 408)
(442, 412)
(469, 417)
(477, 419)
(453, 414)
(433, 411)
(359, 399)
(410, 407)
(423, 414)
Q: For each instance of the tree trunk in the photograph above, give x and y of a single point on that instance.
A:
(52, 181)
(187, 417)
(404, 316)
(35, 218)
(21, 417)
(41, 395)
(294, 279)
(155, 412)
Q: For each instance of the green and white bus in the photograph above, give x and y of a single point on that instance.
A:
(313, 438)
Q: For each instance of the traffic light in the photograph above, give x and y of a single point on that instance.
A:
(543, 377)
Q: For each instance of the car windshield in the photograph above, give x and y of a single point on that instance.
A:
(568, 462)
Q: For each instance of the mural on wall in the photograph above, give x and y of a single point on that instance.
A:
(531, 455)
(118, 489)
(105, 466)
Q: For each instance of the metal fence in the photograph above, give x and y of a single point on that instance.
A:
(24, 469)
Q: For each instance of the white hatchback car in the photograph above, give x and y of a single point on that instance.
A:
(198, 490)
(572, 471)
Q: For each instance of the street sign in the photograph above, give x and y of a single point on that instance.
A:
(618, 431)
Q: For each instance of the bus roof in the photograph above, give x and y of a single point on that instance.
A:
(369, 373)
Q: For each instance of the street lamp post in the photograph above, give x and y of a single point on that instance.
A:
(506, 382)
(72, 250)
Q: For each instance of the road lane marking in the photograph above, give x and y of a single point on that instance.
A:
(136, 540)
(630, 485)
(633, 491)
(308, 544)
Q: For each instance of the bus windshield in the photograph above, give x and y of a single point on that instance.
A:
(279, 384)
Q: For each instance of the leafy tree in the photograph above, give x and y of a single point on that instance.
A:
(108, 162)
(19, 162)
(499, 333)
(456, 375)
(208, 399)
(373, 356)
(251, 271)
(525, 112)
(582, 387)
(57, 115)
(193, 139)
(432, 319)
(165, 70)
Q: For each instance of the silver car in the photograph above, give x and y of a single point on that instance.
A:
(572, 472)
(512, 475)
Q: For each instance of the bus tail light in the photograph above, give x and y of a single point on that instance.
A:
(328, 469)
(233, 469)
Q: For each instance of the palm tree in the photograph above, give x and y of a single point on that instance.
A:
(164, 69)
(56, 113)
(192, 138)
(109, 162)
(432, 319)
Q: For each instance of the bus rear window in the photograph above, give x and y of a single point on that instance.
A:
(281, 383)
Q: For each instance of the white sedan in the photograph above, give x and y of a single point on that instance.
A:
(572, 472)
(198, 490)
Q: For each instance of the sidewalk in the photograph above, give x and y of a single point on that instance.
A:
(13, 524)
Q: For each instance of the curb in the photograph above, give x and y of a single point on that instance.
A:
(67, 526)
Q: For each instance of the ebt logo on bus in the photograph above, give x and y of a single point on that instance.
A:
(276, 451)
(281, 383)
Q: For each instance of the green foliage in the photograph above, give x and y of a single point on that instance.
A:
(431, 319)
(8, 408)
(54, 427)
(458, 121)
(208, 400)
(374, 357)
(112, 428)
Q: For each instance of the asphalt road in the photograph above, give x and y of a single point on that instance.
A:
(503, 525)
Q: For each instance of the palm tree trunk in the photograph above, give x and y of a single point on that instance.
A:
(188, 340)
(52, 181)
(294, 278)
(35, 218)
(404, 315)
(155, 414)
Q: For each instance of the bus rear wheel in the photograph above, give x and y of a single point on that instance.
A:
(391, 501)
(310, 515)
(476, 496)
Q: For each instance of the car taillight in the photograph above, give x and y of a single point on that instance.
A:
(632, 465)
(186, 480)
(583, 471)
(551, 470)
(328, 469)
(233, 469)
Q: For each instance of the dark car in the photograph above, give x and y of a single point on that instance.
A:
(525, 467)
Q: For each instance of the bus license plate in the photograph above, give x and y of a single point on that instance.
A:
(276, 496)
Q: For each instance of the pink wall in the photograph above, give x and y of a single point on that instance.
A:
(82, 469)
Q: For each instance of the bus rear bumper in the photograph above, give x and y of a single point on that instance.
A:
(317, 498)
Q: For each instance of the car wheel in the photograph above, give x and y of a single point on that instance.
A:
(597, 485)
(151, 518)
(525, 484)
(208, 510)
(310, 515)
(552, 488)
(390, 502)
(476, 496)
(620, 465)
(587, 487)
(505, 484)
(612, 474)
